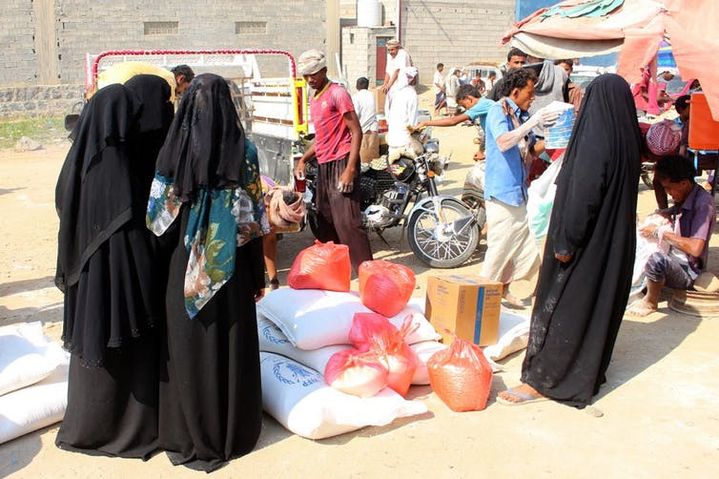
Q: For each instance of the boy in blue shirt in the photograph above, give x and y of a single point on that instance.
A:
(511, 251)
(476, 109)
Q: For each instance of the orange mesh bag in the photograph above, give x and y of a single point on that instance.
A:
(385, 287)
(354, 372)
(322, 266)
(461, 376)
(375, 334)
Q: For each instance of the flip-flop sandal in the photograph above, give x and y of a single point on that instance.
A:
(524, 398)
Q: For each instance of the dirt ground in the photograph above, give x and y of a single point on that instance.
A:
(660, 405)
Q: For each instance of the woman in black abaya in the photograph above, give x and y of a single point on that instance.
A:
(109, 272)
(206, 201)
(587, 268)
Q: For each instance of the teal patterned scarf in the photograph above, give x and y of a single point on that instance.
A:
(220, 221)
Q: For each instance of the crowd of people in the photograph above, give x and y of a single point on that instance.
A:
(161, 277)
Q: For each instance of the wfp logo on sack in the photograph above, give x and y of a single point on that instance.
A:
(273, 334)
(292, 373)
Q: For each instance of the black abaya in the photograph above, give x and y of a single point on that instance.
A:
(210, 392)
(580, 304)
(109, 269)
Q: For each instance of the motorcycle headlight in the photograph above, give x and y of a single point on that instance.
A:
(432, 146)
(438, 164)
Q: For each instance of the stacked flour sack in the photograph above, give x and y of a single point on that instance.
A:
(334, 361)
(33, 380)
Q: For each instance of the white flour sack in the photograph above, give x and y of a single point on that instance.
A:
(34, 407)
(272, 340)
(26, 356)
(424, 351)
(312, 319)
(301, 401)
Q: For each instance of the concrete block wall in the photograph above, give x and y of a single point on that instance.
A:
(98, 25)
(83, 26)
(53, 100)
(454, 32)
(359, 52)
(17, 60)
(356, 50)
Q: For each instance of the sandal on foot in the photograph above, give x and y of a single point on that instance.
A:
(524, 398)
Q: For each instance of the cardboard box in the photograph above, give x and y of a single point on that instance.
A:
(379, 97)
(466, 306)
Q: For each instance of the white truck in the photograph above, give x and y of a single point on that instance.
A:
(273, 110)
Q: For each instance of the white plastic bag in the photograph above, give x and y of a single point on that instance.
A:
(540, 200)
(300, 400)
(272, 340)
(424, 351)
(26, 356)
(34, 407)
(312, 319)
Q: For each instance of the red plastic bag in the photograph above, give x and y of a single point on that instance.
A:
(367, 327)
(375, 334)
(461, 376)
(401, 364)
(322, 266)
(385, 287)
(354, 372)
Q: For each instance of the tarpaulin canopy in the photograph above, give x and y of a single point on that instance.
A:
(634, 28)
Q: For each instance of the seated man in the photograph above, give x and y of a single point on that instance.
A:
(693, 216)
(476, 109)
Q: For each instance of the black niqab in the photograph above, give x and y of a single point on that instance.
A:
(205, 146)
(92, 206)
(580, 304)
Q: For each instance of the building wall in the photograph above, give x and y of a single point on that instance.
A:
(82, 26)
(348, 10)
(359, 52)
(454, 32)
(17, 65)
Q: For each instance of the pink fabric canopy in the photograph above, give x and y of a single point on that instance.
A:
(635, 28)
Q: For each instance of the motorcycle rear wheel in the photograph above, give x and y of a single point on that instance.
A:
(435, 243)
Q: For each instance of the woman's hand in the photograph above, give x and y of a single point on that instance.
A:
(259, 294)
(563, 258)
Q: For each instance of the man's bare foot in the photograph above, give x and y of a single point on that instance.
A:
(512, 301)
(641, 308)
(522, 394)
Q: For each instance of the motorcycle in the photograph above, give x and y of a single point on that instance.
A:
(647, 174)
(473, 188)
(441, 231)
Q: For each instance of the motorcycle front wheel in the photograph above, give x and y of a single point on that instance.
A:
(648, 179)
(444, 240)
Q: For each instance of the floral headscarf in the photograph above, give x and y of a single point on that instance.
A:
(226, 210)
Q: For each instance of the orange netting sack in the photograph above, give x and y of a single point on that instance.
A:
(322, 266)
(385, 287)
(461, 376)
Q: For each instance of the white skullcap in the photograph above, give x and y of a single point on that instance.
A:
(393, 43)
(409, 72)
(311, 61)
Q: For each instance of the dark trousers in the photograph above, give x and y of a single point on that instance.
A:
(339, 217)
(662, 268)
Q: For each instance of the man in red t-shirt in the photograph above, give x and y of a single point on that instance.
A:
(338, 136)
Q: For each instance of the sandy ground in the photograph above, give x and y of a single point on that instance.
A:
(660, 405)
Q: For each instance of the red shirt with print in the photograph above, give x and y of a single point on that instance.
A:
(332, 137)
